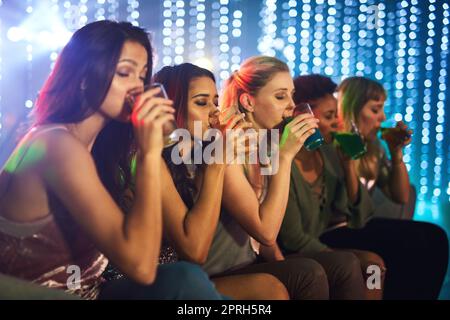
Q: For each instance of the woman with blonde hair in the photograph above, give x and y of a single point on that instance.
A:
(361, 101)
(254, 203)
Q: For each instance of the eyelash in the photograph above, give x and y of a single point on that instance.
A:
(124, 75)
(201, 103)
(204, 104)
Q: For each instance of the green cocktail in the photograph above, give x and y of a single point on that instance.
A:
(351, 144)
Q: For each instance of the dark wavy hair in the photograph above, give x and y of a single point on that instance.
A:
(176, 81)
(312, 87)
(78, 85)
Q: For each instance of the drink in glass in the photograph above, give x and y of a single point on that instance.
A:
(351, 143)
(169, 127)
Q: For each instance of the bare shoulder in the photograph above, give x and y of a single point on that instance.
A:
(61, 143)
(60, 150)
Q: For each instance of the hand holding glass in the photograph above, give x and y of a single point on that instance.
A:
(351, 143)
(391, 131)
(169, 127)
(315, 140)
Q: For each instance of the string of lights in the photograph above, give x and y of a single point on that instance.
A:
(224, 57)
(443, 74)
(333, 29)
(289, 32)
(402, 44)
(268, 27)
(1, 75)
(167, 32)
(411, 82)
(236, 50)
(305, 37)
(100, 10)
(379, 51)
(113, 9)
(214, 34)
(196, 37)
(426, 117)
(29, 48)
(133, 12)
(318, 34)
(178, 36)
(440, 114)
(388, 58)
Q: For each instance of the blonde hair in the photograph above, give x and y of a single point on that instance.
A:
(356, 92)
(253, 74)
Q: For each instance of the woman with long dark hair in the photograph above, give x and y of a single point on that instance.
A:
(193, 192)
(60, 215)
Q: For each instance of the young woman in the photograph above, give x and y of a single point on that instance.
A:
(410, 249)
(60, 216)
(263, 89)
(318, 198)
(193, 194)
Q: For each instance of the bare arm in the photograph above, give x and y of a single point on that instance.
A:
(398, 177)
(263, 221)
(192, 231)
(131, 242)
(271, 253)
(399, 180)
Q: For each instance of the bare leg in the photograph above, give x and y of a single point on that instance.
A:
(368, 258)
(256, 286)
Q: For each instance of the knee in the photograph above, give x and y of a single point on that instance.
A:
(315, 285)
(346, 263)
(369, 258)
(273, 286)
(314, 271)
(312, 279)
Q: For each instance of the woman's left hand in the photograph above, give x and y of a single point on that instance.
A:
(395, 144)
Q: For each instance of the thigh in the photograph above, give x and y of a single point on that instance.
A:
(252, 286)
(303, 278)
